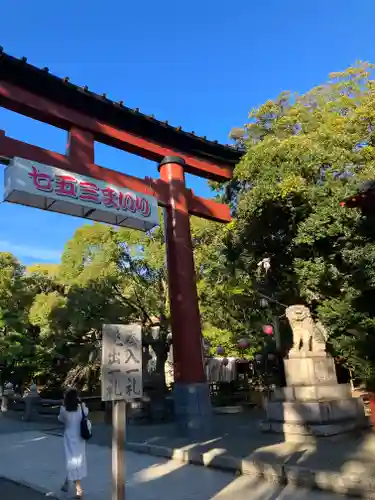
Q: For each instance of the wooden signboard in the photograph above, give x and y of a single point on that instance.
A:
(121, 382)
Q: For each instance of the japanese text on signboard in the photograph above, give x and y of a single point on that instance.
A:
(68, 186)
(122, 362)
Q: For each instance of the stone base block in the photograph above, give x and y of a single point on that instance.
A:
(312, 393)
(290, 430)
(310, 371)
(192, 408)
(315, 412)
(306, 354)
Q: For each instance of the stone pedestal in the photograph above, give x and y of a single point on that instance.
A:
(313, 403)
(310, 371)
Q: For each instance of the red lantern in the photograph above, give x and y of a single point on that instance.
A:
(220, 350)
(268, 329)
(243, 344)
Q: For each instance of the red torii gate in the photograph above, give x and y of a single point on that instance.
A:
(89, 117)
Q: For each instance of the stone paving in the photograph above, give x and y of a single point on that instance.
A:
(338, 464)
(36, 459)
(343, 466)
(13, 491)
(11, 423)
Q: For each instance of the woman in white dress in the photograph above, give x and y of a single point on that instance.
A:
(75, 447)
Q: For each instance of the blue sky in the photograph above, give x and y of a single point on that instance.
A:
(199, 64)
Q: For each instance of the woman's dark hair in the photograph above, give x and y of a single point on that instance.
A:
(71, 400)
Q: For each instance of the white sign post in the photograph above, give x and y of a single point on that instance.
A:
(49, 188)
(121, 382)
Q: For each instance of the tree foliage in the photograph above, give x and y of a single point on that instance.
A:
(304, 155)
(228, 305)
(17, 335)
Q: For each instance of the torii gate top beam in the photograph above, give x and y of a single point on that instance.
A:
(36, 93)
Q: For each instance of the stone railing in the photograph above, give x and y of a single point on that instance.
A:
(32, 405)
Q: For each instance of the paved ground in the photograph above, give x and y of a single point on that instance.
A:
(10, 423)
(37, 459)
(13, 491)
(239, 436)
(236, 435)
(344, 466)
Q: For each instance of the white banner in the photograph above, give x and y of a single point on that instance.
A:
(49, 188)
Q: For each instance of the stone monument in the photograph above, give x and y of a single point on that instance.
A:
(7, 394)
(31, 400)
(312, 403)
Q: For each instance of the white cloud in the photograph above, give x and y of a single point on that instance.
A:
(31, 252)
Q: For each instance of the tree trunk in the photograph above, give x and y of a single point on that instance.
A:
(158, 376)
(159, 409)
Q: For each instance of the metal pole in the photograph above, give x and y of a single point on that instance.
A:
(118, 449)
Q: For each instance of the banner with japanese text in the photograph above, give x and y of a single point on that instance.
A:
(49, 188)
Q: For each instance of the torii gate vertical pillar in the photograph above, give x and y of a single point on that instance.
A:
(191, 394)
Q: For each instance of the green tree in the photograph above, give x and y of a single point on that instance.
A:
(17, 336)
(114, 276)
(228, 304)
(304, 155)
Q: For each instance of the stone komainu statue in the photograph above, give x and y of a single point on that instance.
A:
(308, 337)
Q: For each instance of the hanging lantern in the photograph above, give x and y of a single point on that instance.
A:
(220, 350)
(243, 344)
(225, 362)
(268, 329)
